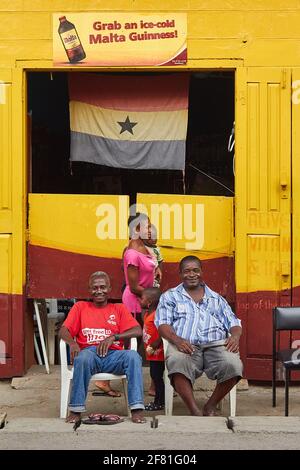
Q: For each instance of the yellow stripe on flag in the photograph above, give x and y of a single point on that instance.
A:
(149, 126)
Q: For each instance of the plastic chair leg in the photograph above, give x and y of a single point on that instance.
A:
(232, 398)
(64, 397)
(41, 333)
(168, 396)
(37, 351)
(51, 340)
(287, 383)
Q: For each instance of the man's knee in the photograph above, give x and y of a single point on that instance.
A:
(176, 360)
(233, 367)
(133, 356)
(84, 358)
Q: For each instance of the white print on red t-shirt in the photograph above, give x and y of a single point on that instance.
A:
(112, 319)
(94, 335)
(146, 337)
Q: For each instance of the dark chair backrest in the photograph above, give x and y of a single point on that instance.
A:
(286, 318)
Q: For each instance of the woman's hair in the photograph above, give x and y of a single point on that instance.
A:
(134, 222)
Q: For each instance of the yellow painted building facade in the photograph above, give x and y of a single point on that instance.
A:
(257, 40)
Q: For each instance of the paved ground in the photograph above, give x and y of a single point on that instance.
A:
(33, 407)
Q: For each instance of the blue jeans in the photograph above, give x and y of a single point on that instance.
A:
(118, 362)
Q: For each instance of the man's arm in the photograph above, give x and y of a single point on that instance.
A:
(103, 347)
(67, 337)
(232, 324)
(232, 343)
(167, 332)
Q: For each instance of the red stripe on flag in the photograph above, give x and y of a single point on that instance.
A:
(168, 92)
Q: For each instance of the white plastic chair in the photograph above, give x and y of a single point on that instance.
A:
(39, 316)
(169, 391)
(67, 375)
(54, 317)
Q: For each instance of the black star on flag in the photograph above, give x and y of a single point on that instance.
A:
(127, 125)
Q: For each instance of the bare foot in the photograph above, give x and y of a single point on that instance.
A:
(137, 416)
(73, 417)
(196, 413)
(104, 386)
(209, 411)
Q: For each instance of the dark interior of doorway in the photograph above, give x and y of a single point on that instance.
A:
(209, 164)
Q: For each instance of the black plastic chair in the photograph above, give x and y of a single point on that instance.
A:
(285, 319)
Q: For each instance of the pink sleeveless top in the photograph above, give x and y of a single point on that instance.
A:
(146, 268)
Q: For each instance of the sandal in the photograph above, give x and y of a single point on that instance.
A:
(98, 418)
(109, 393)
(154, 407)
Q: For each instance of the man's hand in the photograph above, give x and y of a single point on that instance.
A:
(103, 347)
(74, 351)
(184, 346)
(232, 343)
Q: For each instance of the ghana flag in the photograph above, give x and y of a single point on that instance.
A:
(129, 121)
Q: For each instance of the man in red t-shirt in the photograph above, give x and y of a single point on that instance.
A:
(99, 329)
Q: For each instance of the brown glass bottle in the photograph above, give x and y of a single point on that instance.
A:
(70, 40)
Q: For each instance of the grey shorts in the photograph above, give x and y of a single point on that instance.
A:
(212, 358)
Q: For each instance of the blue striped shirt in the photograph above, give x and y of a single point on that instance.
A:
(199, 323)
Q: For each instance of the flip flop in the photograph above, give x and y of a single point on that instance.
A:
(102, 419)
(109, 393)
(154, 407)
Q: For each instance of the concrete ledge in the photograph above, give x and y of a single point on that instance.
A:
(265, 424)
(2, 420)
(174, 433)
(166, 424)
(192, 424)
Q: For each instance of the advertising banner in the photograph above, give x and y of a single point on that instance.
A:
(119, 39)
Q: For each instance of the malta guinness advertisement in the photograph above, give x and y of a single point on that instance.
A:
(118, 39)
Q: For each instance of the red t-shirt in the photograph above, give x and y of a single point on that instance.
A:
(91, 325)
(150, 334)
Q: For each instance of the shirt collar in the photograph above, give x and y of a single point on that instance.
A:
(207, 292)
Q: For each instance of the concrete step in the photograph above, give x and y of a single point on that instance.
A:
(265, 424)
(166, 424)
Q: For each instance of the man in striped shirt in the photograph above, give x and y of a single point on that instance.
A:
(203, 335)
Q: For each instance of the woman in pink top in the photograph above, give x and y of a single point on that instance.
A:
(139, 269)
(139, 274)
(139, 265)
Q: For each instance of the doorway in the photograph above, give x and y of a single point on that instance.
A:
(209, 164)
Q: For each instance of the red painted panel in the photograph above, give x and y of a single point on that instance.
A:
(61, 274)
(255, 311)
(296, 296)
(5, 322)
(12, 310)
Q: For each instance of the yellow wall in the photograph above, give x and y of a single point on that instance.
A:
(97, 225)
(261, 32)
(249, 36)
(85, 224)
